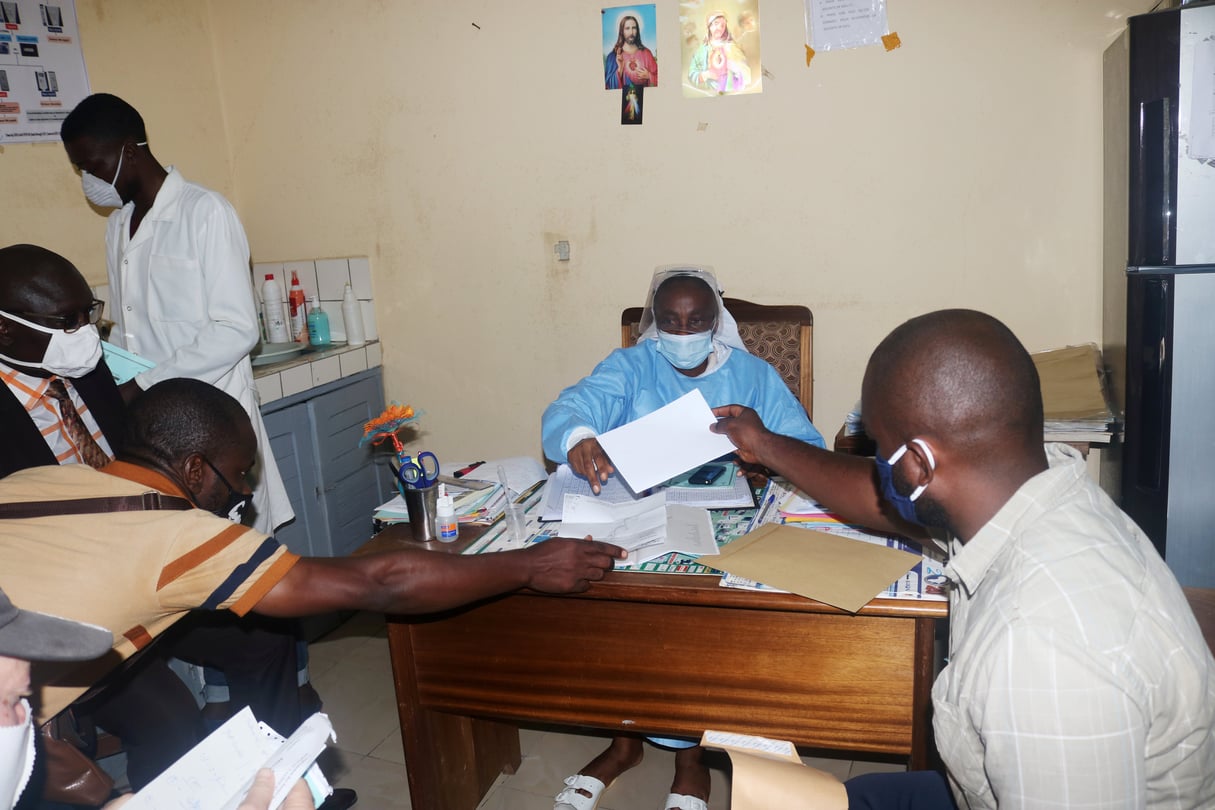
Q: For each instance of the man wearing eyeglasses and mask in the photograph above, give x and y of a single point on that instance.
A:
(59, 402)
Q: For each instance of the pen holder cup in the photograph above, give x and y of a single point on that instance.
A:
(422, 504)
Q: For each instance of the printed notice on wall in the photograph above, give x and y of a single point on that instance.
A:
(42, 74)
(835, 24)
(1202, 102)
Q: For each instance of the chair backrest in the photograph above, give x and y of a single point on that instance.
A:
(783, 335)
(1202, 602)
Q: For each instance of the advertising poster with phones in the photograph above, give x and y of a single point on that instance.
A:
(42, 73)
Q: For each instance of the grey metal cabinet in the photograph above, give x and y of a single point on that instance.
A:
(333, 484)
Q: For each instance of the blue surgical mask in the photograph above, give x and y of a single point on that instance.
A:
(903, 504)
(685, 351)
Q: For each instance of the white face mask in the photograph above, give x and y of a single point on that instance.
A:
(99, 192)
(16, 758)
(69, 354)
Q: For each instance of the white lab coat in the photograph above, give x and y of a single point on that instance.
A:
(181, 296)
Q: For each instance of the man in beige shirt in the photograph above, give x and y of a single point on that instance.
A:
(1077, 676)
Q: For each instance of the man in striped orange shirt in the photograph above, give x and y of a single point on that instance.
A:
(138, 572)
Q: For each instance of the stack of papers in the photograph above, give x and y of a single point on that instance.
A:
(647, 528)
(475, 502)
(1074, 399)
(734, 492)
(217, 773)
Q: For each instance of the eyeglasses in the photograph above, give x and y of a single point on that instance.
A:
(68, 323)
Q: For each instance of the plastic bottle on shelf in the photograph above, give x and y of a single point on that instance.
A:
(297, 310)
(276, 315)
(352, 315)
(445, 516)
(318, 324)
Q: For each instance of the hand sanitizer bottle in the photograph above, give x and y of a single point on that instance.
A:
(318, 324)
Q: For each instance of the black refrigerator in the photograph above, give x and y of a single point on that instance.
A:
(1159, 283)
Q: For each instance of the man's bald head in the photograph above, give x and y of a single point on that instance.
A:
(959, 375)
(179, 417)
(34, 279)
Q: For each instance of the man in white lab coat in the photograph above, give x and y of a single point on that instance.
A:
(178, 264)
(180, 295)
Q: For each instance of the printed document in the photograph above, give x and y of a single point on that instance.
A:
(218, 772)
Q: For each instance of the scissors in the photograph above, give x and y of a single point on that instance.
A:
(419, 471)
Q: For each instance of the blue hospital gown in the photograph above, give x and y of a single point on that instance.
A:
(632, 382)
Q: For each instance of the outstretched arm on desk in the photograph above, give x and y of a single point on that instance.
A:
(419, 581)
(845, 484)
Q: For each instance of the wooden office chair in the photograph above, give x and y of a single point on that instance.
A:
(1202, 602)
(781, 334)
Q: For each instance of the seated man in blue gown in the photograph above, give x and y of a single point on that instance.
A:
(688, 340)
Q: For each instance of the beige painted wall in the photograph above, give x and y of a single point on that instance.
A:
(158, 56)
(962, 170)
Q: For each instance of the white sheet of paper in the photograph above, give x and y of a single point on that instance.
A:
(630, 525)
(838, 24)
(217, 773)
(689, 530)
(661, 445)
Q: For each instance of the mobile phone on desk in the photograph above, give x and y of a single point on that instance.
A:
(706, 474)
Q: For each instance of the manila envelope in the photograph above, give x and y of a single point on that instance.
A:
(1071, 385)
(768, 773)
(839, 571)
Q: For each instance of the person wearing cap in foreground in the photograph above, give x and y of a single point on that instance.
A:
(27, 636)
(688, 341)
(1077, 674)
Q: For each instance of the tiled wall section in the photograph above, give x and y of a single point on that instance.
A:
(325, 279)
(293, 376)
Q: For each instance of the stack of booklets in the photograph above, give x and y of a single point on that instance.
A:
(477, 506)
(480, 497)
(1074, 401)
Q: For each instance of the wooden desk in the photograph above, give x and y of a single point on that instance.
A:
(656, 653)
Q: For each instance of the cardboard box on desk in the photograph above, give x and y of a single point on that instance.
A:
(838, 571)
(768, 773)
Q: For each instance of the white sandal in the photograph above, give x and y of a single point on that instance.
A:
(571, 799)
(682, 801)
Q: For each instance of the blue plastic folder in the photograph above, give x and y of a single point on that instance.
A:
(124, 365)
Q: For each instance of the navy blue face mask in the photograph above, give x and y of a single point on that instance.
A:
(903, 504)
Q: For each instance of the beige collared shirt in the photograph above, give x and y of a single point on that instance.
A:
(1078, 676)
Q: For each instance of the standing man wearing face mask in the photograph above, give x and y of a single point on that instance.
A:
(59, 402)
(181, 296)
(688, 341)
(178, 266)
(1077, 675)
